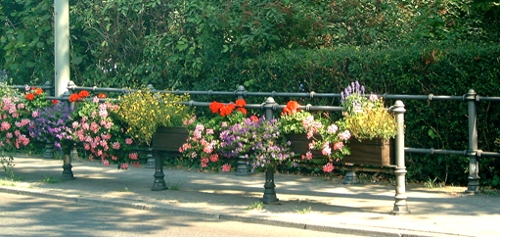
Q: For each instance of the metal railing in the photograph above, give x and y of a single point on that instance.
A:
(471, 97)
(270, 106)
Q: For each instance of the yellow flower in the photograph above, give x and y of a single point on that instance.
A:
(143, 112)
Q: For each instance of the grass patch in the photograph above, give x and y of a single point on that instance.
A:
(304, 210)
(256, 206)
(8, 182)
(50, 180)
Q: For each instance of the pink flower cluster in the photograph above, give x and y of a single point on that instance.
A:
(328, 167)
(13, 127)
(201, 144)
(311, 126)
(331, 144)
(95, 131)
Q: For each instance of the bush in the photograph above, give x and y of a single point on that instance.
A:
(419, 70)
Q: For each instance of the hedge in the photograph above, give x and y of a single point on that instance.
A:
(440, 69)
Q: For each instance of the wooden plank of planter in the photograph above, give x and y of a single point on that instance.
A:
(169, 139)
(376, 152)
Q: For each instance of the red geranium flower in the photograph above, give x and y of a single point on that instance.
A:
(38, 91)
(74, 97)
(243, 110)
(30, 96)
(84, 94)
(54, 101)
(292, 107)
(101, 95)
(240, 102)
(226, 110)
(215, 107)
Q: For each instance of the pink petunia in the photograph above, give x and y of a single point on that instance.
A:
(226, 168)
(346, 135)
(328, 167)
(208, 148)
(214, 157)
(338, 145)
(116, 145)
(133, 156)
(4, 126)
(326, 150)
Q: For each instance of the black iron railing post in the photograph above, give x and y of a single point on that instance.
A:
(400, 206)
(474, 179)
(242, 167)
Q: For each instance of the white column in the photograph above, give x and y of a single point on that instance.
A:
(62, 70)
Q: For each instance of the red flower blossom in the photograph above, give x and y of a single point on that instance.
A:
(84, 94)
(226, 110)
(292, 107)
(243, 110)
(240, 102)
(74, 97)
(54, 101)
(38, 91)
(101, 95)
(30, 96)
(215, 107)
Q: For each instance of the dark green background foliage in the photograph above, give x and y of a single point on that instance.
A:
(441, 47)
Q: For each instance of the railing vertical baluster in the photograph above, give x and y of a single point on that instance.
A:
(48, 152)
(269, 105)
(151, 161)
(242, 167)
(67, 150)
(269, 186)
(240, 92)
(400, 206)
(474, 179)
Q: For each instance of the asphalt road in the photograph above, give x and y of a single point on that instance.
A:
(27, 216)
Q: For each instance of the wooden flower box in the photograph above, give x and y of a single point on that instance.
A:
(376, 152)
(169, 139)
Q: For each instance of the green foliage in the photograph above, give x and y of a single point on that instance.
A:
(127, 43)
(26, 38)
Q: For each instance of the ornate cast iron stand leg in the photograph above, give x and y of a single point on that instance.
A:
(67, 174)
(269, 192)
(351, 177)
(48, 152)
(159, 176)
(242, 168)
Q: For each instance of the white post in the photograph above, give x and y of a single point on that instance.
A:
(62, 71)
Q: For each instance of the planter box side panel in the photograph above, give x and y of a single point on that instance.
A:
(169, 139)
(374, 152)
(371, 152)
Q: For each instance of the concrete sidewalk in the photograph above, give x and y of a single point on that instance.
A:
(305, 202)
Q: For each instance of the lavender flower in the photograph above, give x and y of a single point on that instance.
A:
(51, 124)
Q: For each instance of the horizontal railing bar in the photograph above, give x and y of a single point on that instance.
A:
(489, 99)
(455, 152)
(421, 97)
(286, 94)
(275, 106)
